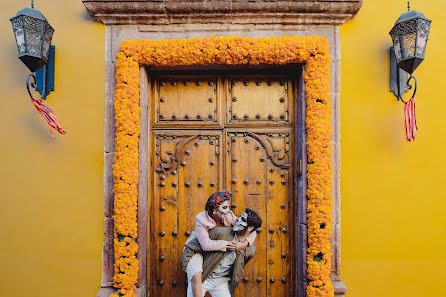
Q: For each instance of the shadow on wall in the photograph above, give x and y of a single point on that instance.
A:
(17, 71)
(35, 123)
(85, 16)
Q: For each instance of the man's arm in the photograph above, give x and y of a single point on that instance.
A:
(250, 251)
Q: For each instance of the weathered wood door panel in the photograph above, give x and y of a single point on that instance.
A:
(251, 155)
(258, 173)
(189, 101)
(258, 100)
(187, 168)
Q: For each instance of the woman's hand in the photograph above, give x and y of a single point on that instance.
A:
(237, 246)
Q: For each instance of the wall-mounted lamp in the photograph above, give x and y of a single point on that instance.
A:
(33, 35)
(409, 36)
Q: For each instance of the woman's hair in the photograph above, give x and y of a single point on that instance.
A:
(216, 199)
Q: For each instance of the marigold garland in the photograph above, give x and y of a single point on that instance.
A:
(313, 51)
(125, 175)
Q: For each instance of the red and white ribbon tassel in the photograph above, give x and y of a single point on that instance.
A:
(48, 115)
(410, 120)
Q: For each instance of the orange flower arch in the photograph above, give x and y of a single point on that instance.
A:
(313, 51)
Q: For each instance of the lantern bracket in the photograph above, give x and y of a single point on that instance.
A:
(399, 79)
(33, 83)
(45, 75)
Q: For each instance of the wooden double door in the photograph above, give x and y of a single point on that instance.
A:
(215, 132)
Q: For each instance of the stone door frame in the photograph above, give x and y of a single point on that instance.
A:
(134, 20)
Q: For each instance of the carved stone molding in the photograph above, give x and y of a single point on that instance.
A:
(300, 12)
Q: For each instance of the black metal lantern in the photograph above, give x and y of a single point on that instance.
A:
(33, 36)
(409, 36)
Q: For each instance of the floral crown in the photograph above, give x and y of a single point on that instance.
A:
(221, 197)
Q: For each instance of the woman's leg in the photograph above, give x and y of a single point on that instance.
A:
(194, 274)
(197, 285)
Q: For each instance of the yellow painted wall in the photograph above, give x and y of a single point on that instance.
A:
(51, 191)
(393, 192)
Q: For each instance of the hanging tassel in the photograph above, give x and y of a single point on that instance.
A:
(410, 121)
(48, 115)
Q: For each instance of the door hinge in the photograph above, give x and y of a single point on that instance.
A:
(299, 167)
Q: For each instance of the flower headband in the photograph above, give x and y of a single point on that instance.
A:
(221, 197)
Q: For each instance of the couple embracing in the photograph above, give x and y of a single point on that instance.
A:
(216, 252)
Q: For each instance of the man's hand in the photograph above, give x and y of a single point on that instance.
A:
(239, 247)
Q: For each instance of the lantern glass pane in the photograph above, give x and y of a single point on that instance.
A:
(17, 27)
(396, 42)
(33, 35)
(408, 31)
(423, 33)
(47, 41)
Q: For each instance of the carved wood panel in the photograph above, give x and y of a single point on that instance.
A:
(188, 169)
(186, 100)
(258, 100)
(258, 167)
